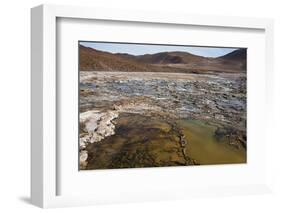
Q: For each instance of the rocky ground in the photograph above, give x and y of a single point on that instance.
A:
(109, 100)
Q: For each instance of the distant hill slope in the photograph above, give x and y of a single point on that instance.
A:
(92, 59)
(169, 58)
(237, 55)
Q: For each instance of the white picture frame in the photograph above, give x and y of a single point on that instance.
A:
(44, 154)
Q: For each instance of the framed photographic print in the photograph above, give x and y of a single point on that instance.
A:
(149, 105)
(130, 106)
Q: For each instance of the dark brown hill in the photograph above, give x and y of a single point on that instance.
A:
(237, 55)
(170, 58)
(91, 59)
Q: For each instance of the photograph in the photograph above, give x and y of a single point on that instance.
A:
(161, 105)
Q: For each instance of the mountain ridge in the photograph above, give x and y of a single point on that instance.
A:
(174, 61)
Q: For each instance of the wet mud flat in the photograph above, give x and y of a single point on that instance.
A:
(134, 120)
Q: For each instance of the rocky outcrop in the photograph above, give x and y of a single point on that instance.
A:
(94, 126)
(83, 159)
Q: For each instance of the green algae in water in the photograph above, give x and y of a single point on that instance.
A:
(205, 148)
(144, 141)
(139, 141)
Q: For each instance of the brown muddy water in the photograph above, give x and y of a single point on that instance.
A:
(151, 141)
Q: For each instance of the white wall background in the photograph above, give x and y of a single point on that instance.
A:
(15, 98)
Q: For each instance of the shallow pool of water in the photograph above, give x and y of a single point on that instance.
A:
(144, 141)
(205, 148)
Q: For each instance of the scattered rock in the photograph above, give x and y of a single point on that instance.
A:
(97, 125)
(83, 159)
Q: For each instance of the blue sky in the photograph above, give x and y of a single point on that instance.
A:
(141, 49)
